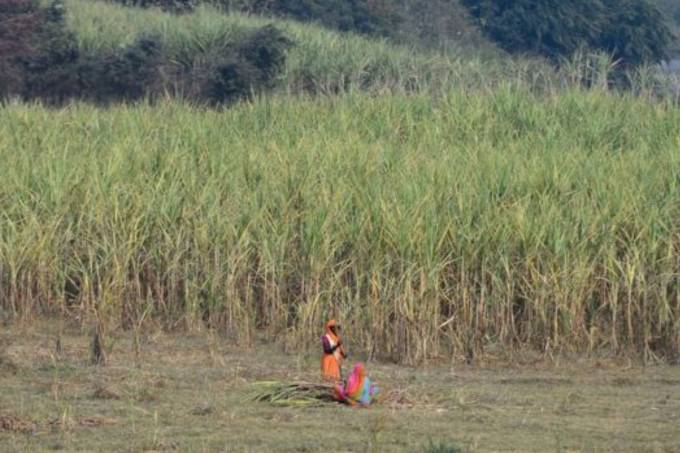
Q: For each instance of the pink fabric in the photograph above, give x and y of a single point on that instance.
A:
(355, 385)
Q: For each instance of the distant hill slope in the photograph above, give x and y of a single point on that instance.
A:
(428, 23)
(320, 59)
(442, 24)
(215, 55)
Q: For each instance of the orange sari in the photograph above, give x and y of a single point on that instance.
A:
(333, 354)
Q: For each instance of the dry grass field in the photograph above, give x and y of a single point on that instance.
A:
(193, 392)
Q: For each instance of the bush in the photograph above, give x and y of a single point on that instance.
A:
(44, 63)
(38, 55)
(632, 31)
(129, 74)
(51, 73)
(19, 20)
(250, 67)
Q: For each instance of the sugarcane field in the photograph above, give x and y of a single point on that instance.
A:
(340, 226)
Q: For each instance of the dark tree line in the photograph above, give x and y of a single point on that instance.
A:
(632, 31)
(39, 59)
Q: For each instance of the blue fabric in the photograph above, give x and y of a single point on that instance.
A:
(369, 391)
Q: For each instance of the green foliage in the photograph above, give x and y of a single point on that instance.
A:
(130, 73)
(252, 66)
(636, 32)
(672, 8)
(671, 11)
(632, 31)
(440, 24)
(442, 447)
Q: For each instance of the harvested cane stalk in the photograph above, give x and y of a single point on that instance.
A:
(300, 394)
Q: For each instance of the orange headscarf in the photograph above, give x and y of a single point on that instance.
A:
(329, 330)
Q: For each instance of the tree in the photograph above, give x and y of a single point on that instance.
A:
(37, 54)
(40, 59)
(19, 20)
(252, 66)
(632, 31)
(50, 73)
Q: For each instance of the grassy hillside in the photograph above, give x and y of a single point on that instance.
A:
(420, 23)
(321, 60)
(106, 53)
(429, 224)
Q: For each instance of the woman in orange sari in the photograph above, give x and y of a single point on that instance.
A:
(333, 353)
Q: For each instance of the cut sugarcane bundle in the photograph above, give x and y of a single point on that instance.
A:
(293, 393)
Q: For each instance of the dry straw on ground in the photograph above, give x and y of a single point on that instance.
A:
(16, 424)
(301, 394)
